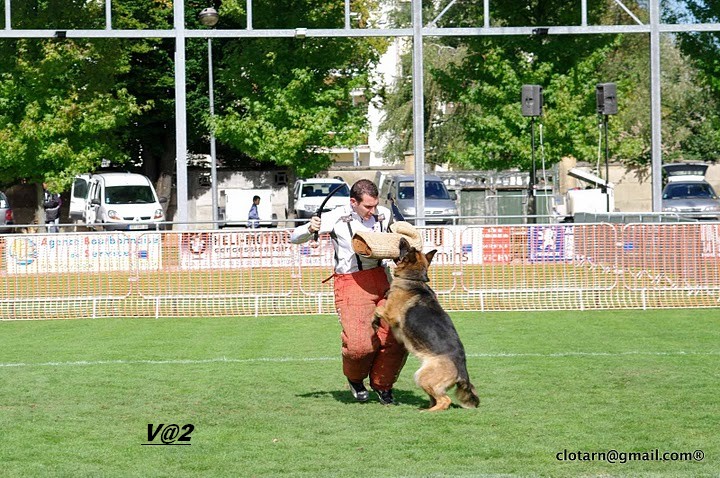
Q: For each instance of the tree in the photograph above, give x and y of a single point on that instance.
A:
(67, 105)
(442, 125)
(60, 108)
(688, 109)
(484, 86)
(701, 49)
(285, 101)
(488, 128)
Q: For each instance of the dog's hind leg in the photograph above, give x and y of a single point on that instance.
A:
(443, 403)
(435, 376)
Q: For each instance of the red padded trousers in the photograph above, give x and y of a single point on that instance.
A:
(365, 351)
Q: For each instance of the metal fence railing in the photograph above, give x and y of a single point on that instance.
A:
(251, 272)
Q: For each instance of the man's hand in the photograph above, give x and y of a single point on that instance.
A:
(314, 224)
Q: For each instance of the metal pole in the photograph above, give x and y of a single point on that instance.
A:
(607, 161)
(213, 157)
(347, 14)
(418, 114)
(532, 210)
(108, 14)
(655, 99)
(181, 179)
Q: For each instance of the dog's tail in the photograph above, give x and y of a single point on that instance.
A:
(466, 394)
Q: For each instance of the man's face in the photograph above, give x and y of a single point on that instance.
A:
(366, 207)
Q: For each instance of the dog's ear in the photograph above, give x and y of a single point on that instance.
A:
(404, 246)
(429, 256)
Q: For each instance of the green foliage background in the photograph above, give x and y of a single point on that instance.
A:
(68, 104)
(483, 80)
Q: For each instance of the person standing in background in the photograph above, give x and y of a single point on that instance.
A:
(253, 215)
(51, 205)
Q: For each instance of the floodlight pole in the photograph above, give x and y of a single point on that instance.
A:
(8, 25)
(655, 106)
(213, 155)
(210, 17)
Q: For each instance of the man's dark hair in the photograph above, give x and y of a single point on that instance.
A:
(362, 187)
(255, 198)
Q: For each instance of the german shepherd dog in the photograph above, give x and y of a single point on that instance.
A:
(418, 321)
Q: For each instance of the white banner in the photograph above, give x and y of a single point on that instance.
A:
(268, 248)
(454, 244)
(229, 250)
(59, 253)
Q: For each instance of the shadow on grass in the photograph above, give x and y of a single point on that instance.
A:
(344, 396)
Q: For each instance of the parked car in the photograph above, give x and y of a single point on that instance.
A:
(440, 207)
(6, 214)
(116, 201)
(688, 193)
(310, 194)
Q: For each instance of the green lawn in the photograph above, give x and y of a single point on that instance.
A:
(266, 397)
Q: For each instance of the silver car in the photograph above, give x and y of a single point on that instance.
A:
(440, 207)
(6, 214)
(688, 193)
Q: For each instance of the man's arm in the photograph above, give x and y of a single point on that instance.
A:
(52, 202)
(305, 232)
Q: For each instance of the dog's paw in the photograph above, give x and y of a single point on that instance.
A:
(377, 317)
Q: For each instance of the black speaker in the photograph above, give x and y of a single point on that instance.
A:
(606, 96)
(532, 100)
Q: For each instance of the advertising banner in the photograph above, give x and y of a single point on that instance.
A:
(227, 250)
(496, 245)
(59, 253)
(551, 243)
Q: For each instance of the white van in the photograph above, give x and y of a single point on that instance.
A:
(116, 201)
(310, 194)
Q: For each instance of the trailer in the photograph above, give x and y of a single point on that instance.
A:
(234, 206)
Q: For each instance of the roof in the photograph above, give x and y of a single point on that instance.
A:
(589, 177)
(411, 177)
(322, 180)
(123, 179)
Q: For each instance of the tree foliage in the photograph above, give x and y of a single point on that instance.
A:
(286, 101)
(486, 122)
(68, 104)
(702, 47)
(60, 104)
(443, 130)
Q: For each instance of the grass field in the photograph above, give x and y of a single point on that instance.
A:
(266, 397)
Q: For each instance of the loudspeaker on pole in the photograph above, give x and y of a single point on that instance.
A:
(532, 100)
(606, 97)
